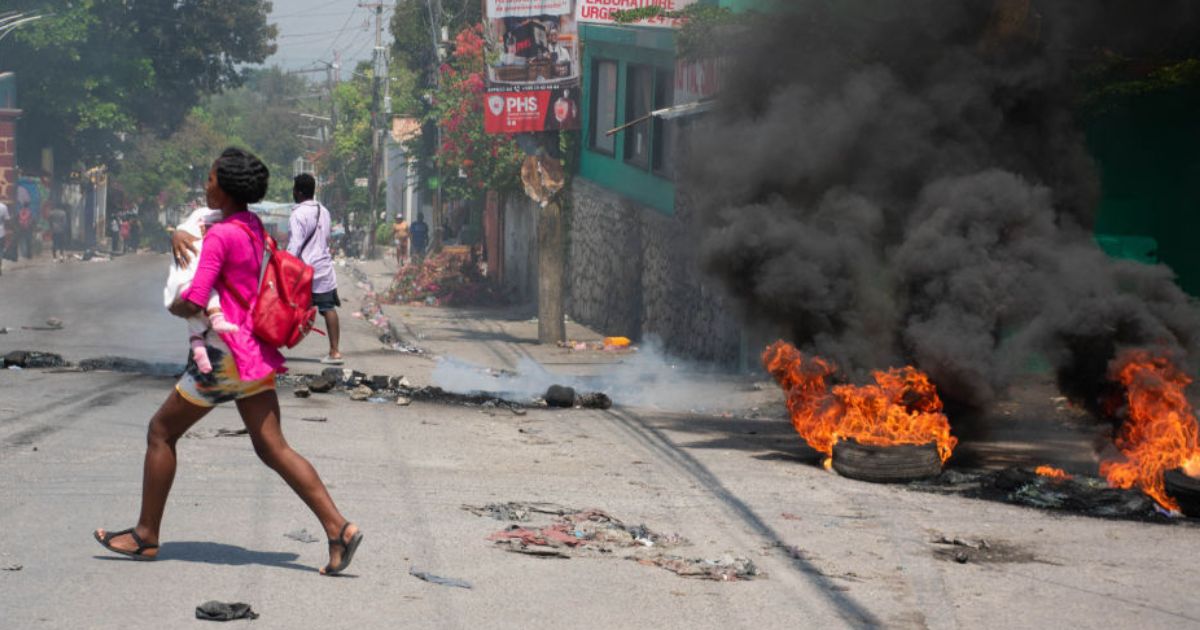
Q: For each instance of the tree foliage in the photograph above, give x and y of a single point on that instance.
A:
(482, 161)
(261, 115)
(94, 70)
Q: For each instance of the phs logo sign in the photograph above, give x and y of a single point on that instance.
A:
(496, 104)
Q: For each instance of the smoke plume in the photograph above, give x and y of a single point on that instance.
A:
(906, 182)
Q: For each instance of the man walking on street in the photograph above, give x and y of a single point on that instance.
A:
(308, 240)
(58, 233)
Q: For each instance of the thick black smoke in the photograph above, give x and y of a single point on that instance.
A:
(905, 182)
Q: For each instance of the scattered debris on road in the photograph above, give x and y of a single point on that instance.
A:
(12, 567)
(726, 569)
(439, 580)
(315, 419)
(33, 359)
(223, 611)
(1090, 496)
(126, 365)
(517, 511)
(302, 392)
(301, 535)
(199, 434)
(360, 393)
(560, 396)
(596, 533)
(595, 400)
(979, 551)
(52, 323)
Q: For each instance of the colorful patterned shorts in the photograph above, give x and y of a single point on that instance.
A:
(223, 383)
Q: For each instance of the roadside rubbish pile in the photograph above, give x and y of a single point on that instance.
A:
(449, 278)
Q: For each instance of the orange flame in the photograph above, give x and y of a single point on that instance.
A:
(1160, 433)
(1053, 473)
(902, 407)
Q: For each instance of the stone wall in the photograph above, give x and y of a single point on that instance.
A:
(633, 271)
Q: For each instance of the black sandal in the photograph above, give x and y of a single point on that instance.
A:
(138, 554)
(348, 549)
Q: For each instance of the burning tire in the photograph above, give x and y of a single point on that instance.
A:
(1185, 490)
(886, 464)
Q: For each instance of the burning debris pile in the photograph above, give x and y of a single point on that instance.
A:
(905, 184)
(445, 279)
(901, 408)
(1089, 496)
(1158, 434)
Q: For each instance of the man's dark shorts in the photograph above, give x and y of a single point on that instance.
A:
(326, 301)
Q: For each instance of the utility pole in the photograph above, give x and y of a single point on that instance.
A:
(373, 178)
(434, 8)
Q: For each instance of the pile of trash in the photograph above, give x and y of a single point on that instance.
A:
(596, 533)
(449, 278)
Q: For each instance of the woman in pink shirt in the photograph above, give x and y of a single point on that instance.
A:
(243, 371)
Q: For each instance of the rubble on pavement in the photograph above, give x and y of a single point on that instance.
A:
(574, 533)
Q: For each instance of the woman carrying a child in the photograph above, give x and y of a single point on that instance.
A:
(243, 370)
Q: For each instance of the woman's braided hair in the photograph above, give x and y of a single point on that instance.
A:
(242, 175)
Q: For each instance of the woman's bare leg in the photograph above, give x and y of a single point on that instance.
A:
(261, 415)
(169, 423)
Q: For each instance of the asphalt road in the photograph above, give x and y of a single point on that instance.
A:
(837, 553)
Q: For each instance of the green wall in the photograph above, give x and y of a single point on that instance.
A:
(1148, 151)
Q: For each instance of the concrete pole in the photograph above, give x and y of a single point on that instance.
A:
(551, 276)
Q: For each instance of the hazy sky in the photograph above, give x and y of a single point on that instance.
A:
(311, 30)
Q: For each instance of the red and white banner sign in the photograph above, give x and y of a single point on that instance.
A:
(600, 11)
(526, 8)
(531, 111)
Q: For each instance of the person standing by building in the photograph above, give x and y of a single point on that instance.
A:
(4, 219)
(308, 240)
(400, 239)
(420, 235)
(58, 232)
(135, 233)
(114, 232)
(25, 230)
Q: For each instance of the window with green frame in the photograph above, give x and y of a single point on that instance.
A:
(629, 73)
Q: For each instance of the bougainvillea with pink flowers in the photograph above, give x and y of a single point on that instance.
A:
(472, 161)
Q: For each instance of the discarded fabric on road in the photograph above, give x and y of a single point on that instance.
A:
(222, 611)
(439, 580)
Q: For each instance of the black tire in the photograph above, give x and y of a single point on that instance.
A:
(1185, 490)
(886, 464)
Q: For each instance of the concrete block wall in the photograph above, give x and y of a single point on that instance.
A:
(634, 271)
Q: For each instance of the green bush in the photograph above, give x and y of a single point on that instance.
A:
(383, 234)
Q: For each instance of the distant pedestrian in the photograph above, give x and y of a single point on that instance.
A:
(114, 233)
(244, 370)
(124, 229)
(58, 232)
(420, 235)
(25, 231)
(308, 239)
(400, 239)
(135, 233)
(5, 218)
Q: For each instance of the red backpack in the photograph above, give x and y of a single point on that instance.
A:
(283, 314)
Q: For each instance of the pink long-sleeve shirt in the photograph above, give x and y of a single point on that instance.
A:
(230, 262)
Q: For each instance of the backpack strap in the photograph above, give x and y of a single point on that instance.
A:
(262, 271)
(314, 232)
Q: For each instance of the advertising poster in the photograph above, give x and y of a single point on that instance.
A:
(533, 66)
(600, 11)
